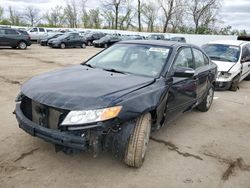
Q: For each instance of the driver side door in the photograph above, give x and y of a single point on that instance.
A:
(183, 91)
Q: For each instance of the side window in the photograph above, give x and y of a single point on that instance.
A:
(199, 58)
(184, 59)
(245, 52)
(2, 31)
(34, 30)
(41, 30)
(11, 32)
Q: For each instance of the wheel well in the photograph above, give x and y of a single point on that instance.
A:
(22, 41)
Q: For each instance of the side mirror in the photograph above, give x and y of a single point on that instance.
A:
(184, 72)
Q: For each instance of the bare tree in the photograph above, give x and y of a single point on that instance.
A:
(202, 10)
(115, 6)
(14, 16)
(169, 7)
(139, 13)
(1, 12)
(125, 20)
(71, 13)
(31, 15)
(150, 12)
(109, 18)
(55, 17)
(92, 19)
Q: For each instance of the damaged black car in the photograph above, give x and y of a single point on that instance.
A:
(112, 102)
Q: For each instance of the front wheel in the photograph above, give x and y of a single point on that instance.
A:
(63, 46)
(138, 142)
(205, 105)
(235, 83)
(22, 45)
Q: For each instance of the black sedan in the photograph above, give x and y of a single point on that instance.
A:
(106, 41)
(68, 40)
(44, 41)
(114, 100)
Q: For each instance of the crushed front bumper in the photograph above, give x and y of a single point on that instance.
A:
(222, 85)
(53, 136)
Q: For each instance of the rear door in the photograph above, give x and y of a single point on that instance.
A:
(2, 37)
(12, 37)
(202, 72)
(182, 94)
(245, 59)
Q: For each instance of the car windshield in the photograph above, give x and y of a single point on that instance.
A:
(144, 60)
(221, 52)
(108, 37)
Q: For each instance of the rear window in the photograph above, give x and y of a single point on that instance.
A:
(2, 31)
(11, 32)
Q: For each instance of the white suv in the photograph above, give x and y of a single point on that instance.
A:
(233, 60)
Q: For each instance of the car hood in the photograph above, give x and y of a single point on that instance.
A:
(79, 87)
(224, 66)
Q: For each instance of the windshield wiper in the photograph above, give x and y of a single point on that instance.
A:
(114, 70)
(220, 58)
(88, 65)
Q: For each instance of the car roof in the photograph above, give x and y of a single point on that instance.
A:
(164, 43)
(229, 42)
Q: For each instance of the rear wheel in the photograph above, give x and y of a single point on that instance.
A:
(83, 45)
(22, 45)
(235, 83)
(138, 142)
(106, 45)
(89, 43)
(63, 46)
(205, 105)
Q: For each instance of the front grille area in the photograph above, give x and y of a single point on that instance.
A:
(42, 115)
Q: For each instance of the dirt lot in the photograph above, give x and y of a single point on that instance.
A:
(199, 150)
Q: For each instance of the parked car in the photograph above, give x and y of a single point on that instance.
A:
(233, 60)
(156, 37)
(106, 41)
(90, 37)
(178, 39)
(244, 38)
(68, 40)
(37, 33)
(23, 32)
(114, 100)
(44, 41)
(14, 38)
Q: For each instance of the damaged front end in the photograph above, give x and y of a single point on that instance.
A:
(46, 123)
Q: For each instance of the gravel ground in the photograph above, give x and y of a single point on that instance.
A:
(198, 150)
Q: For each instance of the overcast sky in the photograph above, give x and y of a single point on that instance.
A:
(234, 12)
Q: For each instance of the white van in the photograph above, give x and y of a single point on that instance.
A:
(233, 60)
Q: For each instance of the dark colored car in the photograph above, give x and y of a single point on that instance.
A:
(178, 39)
(156, 37)
(106, 41)
(68, 40)
(114, 100)
(14, 38)
(23, 32)
(44, 42)
(90, 37)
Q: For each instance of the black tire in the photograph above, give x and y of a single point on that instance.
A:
(62, 45)
(106, 45)
(89, 43)
(247, 78)
(205, 105)
(138, 142)
(83, 45)
(235, 83)
(22, 45)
